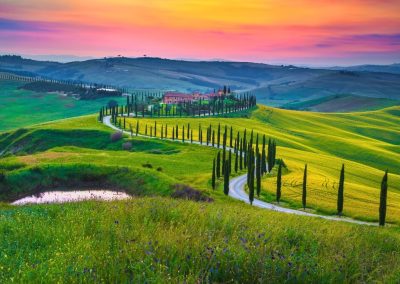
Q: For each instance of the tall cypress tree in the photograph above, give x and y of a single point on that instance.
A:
(304, 195)
(226, 178)
(230, 138)
(213, 175)
(137, 128)
(383, 200)
(263, 158)
(279, 183)
(258, 173)
(340, 192)
(218, 164)
(236, 160)
(251, 184)
(219, 135)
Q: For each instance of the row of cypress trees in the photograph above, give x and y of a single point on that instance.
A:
(216, 106)
(340, 194)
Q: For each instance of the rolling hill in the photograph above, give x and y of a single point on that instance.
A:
(275, 85)
(155, 237)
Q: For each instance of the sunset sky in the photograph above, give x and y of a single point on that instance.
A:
(299, 31)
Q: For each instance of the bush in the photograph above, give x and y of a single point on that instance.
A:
(127, 146)
(147, 165)
(116, 136)
(159, 169)
(183, 191)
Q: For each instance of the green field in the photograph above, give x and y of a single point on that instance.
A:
(157, 238)
(21, 108)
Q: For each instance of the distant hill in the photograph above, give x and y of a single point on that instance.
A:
(392, 68)
(342, 103)
(275, 85)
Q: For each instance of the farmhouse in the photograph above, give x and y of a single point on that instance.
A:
(175, 97)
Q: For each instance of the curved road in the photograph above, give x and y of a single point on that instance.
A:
(237, 186)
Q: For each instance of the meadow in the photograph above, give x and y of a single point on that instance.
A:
(20, 108)
(157, 238)
(366, 142)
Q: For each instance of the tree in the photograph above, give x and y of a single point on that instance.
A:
(340, 192)
(263, 158)
(213, 176)
(304, 196)
(236, 160)
(137, 128)
(226, 178)
(258, 173)
(218, 164)
(251, 184)
(219, 135)
(279, 183)
(383, 200)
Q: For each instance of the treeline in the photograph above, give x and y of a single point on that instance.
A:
(142, 106)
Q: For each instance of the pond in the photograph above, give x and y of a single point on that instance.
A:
(72, 196)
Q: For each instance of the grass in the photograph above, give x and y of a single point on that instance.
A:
(164, 240)
(366, 142)
(154, 238)
(342, 103)
(27, 107)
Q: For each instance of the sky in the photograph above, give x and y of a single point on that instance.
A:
(303, 32)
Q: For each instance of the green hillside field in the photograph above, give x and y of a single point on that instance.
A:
(20, 108)
(158, 238)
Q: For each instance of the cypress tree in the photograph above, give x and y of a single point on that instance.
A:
(236, 160)
(279, 183)
(263, 158)
(258, 173)
(230, 137)
(241, 154)
(383, 200)
(340, 192)
(188, 131)
(304, 196)
(213, 175)
(213, 138)
(137, 128)
(155, 128)
(251, 184)
(226, 178)
(219, 135)
(183, 133)
(145, 130)
(223, 161)
(218, 164)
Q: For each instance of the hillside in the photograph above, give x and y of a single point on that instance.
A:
(158, 238)
(276, 85)
(342, 103)
(25, 107)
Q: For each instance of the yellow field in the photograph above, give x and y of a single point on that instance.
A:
(366, 142)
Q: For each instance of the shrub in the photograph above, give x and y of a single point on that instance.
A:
(147, 165)
(159, 169)
(116, 136)
(127, 146)
(183, 191)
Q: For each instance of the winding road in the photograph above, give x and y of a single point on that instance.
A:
(237, 187)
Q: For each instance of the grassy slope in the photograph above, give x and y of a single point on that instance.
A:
(83, 140)
(366, 142)
(342, 103)
(26, 107)
(162, 240)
